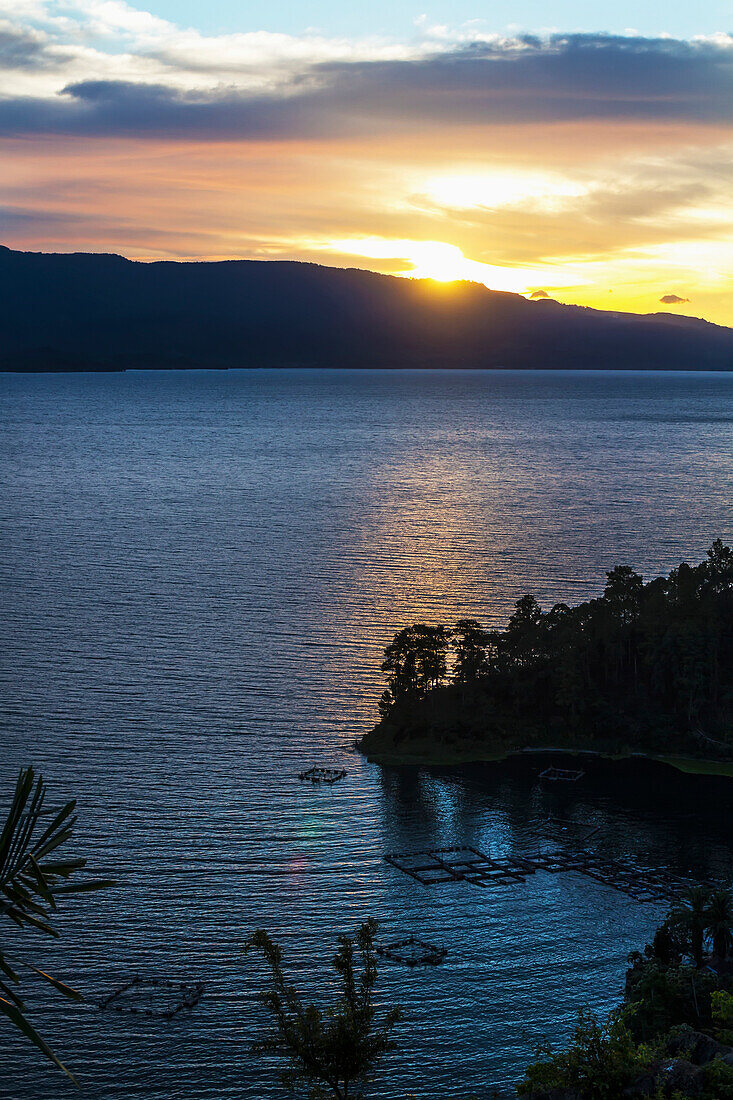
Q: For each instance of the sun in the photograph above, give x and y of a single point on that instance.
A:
(437, 260)
(440, 261)
(420, 259)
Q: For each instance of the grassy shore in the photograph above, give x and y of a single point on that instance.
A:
(441, 755)
(695, 766)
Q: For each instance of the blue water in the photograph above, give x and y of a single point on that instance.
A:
(199, 571)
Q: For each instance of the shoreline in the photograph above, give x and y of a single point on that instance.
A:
(689, 765)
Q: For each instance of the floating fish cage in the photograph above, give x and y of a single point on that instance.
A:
(562, 831)
(644, 884)
(156, 997)
(436, 866)
(413, 952)
(323, 775)
(654, 886)
(566, 775)
(459, 864)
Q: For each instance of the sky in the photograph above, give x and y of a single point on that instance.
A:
(582, 158)
(398, 18)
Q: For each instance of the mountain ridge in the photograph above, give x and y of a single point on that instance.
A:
(102, 311)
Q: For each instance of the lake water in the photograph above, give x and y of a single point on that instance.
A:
(199, 572)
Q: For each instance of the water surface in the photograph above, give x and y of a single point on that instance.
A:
(199, 571)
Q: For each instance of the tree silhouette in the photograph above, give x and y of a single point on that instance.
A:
(525, 636)
(648, 665)
(720, 566)
(719, 923)
(416, 661)
(691, 919)
(623, 593)
(471, 644)
(332, 1051)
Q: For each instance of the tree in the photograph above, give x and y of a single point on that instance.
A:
(332, 1051)
(719, 566)
(660, 997)
(691, 919)
(471, 643)
(30, 886)
(668, 945)
(623, 592)
(601, 1061)
(524, 635)
(416, 662)
(705, 914)
(719, 922)
(721, 1002)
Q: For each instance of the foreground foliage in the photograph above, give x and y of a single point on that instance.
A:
(330, 1051)
(31, 885)
(600, 1063)
(673, 1035)
(644, 666)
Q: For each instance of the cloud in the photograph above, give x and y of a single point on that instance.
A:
(539, 294)
(565, 162)
(13, 218)
(672, 300)
(21, 48)
(182, 84)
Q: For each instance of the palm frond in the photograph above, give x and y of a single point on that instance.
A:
(30, 884)
(23, 1024)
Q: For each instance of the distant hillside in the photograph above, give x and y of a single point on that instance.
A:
(103, 312)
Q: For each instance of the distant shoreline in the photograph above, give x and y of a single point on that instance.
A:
(492, 369)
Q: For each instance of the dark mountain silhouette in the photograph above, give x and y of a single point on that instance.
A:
(103, 312)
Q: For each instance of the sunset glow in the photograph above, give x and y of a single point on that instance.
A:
(490, 190)
(594, 167)
(434, 260)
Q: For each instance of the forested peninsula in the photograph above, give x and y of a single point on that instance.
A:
(645, 668)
